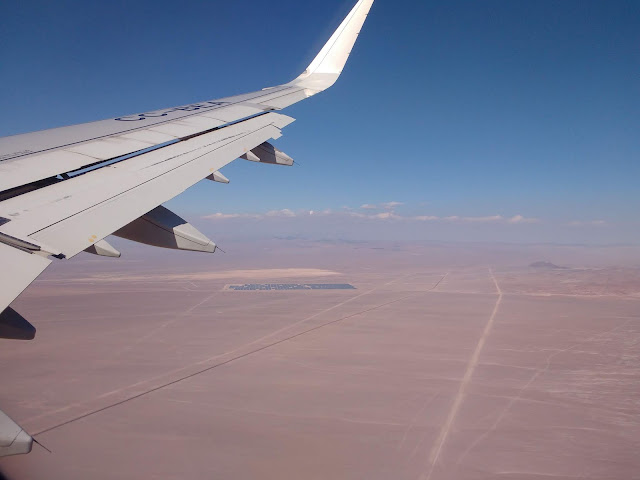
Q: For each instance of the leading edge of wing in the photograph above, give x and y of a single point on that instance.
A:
(31, 157)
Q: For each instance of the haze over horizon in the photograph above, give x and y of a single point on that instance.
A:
(492, 121)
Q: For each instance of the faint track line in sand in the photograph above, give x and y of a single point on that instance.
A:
(230, 360)
(162, 326)
(534, 377)
(304, 320)
(230, 352)
(414, 420)
(471, 366)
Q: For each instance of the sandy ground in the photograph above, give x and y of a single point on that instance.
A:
(429, 370)
(255, 274)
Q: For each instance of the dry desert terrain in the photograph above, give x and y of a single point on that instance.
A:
(445, 362)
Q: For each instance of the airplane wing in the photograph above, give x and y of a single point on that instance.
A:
(64, 190)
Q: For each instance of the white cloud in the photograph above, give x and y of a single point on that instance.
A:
(226, 216)
(390, 205)
(490, 219)
(271, 214)
(387, 214)
(487, 219)
(521, 219)
(285, 212)
(587, 223)
(357, 214)
(380, 206)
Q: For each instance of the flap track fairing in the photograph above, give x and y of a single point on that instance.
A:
(103, 248)
(14, 327)
(267, 153)
(162, 228)
(218, 177)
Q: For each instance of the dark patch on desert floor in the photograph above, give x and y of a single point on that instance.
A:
(446, 362)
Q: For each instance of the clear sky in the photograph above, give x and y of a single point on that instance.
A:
(489, 120)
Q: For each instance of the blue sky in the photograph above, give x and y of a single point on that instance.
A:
(473, 112)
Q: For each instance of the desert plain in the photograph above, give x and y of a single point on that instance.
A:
(447, 361)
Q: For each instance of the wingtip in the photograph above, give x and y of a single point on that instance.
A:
(327, 66)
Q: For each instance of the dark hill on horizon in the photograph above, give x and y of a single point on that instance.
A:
(547, 265)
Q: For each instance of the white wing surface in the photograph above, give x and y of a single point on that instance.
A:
(39, 155)
(64, 190)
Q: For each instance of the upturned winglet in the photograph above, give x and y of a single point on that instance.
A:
(328, 64)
